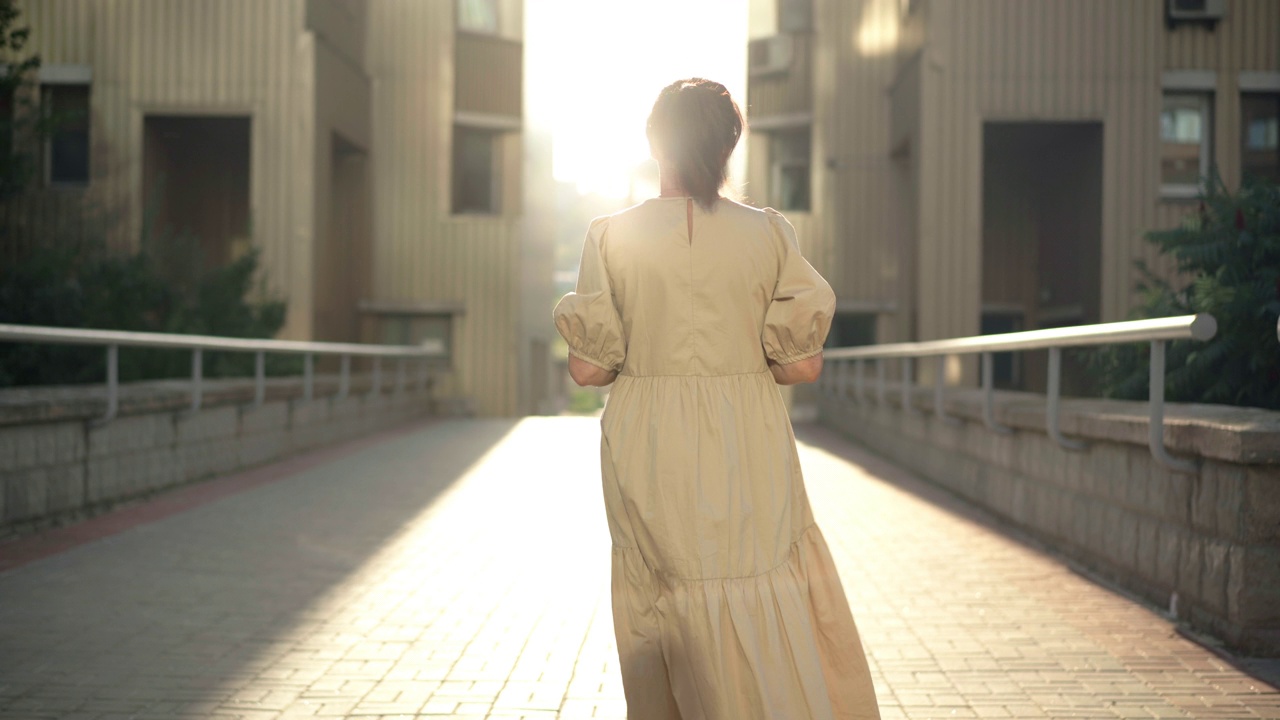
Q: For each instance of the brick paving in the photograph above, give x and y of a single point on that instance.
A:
(461, 570)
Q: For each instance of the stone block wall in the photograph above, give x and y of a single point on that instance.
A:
(58, 463)
(1204, 544)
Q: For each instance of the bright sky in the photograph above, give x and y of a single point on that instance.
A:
(594, 67)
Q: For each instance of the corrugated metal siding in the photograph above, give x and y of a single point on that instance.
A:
(1063, 60)
(490, 77)
(247, 57)
(787, 92)
(847, 234)
(231, 57)
(421, 252)
(855, 163)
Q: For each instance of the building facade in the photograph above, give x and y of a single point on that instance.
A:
(976, 166)
(369, 149)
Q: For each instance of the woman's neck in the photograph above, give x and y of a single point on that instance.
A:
(670, 187)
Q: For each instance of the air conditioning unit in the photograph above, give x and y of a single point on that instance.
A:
(1196, 11)
(770, 55)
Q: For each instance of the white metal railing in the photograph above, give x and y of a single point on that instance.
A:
(1158, 332)
(197, 344)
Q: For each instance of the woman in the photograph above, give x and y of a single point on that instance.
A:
(726, 603)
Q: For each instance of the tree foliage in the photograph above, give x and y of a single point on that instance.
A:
(21, 122)
(1228, 260)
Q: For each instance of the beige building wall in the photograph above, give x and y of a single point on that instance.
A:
(425, 256)
(198, 57)
(353, 105)
(901, 93)
(836, 89)
(1075, 60)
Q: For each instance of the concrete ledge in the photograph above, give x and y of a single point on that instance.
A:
(57, 464)
(30, 405)
(1211, 539)
(1221, 432)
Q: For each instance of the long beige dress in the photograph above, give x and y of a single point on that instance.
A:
(726, 603)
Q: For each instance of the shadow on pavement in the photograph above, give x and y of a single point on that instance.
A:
(167, 615)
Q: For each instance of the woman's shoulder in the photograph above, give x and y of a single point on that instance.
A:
(764, 215)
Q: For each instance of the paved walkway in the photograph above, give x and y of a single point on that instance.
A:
(461, 569)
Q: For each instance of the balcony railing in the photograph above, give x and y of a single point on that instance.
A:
(197, 344)
(1157, 332)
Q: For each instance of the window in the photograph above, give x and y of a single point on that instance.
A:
(67, 147)
(478, 16)
(1185, 141)
(795, 16)
(414, 329)
(476, 175)
(852, 329)
(789, 170)
(1260, 120)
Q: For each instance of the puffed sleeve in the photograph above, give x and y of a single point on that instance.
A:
(800, 312)
(587, 318)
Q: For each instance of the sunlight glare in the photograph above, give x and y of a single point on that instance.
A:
(594, 69)
(878, 31)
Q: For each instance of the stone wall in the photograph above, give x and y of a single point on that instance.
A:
(1205, 545)
(57, 464)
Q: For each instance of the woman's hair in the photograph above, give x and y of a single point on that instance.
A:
(694, 127)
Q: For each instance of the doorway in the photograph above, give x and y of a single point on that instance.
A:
(196, 191)
(343, 257)
(1041, 238)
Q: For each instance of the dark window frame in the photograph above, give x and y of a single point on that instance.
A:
(1174, 99)
(413, 328)
(782, 162)
(1246, 131)
(465, 196)
(67, 158)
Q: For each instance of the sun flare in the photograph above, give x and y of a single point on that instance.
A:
(594, 69)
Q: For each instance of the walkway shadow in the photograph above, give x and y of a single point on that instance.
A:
(168, 618)
(831, 441)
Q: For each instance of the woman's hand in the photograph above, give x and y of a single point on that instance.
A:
(584, 373)
(801, 371)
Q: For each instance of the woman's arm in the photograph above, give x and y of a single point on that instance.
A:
(584, 373)
(801, 371)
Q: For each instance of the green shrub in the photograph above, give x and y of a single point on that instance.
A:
(93, 288)
(1229, 253)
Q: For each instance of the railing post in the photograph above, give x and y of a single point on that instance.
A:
(859, 385)
(1051, 407)
(939, 386)
(344, 378)
(197, 379)
(113, 386)
(259, 378)
(376, 388)
(880, 382)
(906, 386)
(1155, 423)
(422, 376)
(842, 370)
(399, 391)
(988, 396)
(308, 377)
